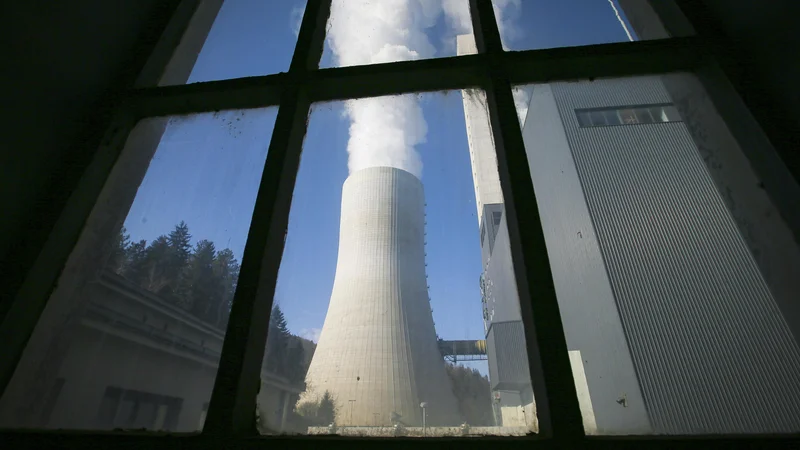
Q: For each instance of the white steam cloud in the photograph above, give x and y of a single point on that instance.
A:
(385, 131)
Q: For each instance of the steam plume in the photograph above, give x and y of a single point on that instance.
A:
(384, 131)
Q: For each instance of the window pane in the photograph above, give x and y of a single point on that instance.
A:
(676, 275)
(643, 115)
(243, 38)
(137, 319)
(658, 113)
(397, 236)
(583, 119)
(628, 116)
(672, 113)
(370, 32)
(598, 118)
(612, 117)
(538, 24)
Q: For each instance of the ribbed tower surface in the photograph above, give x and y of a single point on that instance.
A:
(377, 352)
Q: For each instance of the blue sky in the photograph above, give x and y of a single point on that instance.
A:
(207, 168)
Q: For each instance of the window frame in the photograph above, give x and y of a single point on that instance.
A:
(230, 415)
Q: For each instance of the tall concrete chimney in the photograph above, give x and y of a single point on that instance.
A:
(377, 353)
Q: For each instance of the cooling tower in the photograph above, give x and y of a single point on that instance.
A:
(377, 353)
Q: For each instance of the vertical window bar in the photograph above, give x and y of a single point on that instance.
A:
(553, 386)
(233, 400)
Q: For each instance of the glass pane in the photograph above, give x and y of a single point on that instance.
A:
(676, 275)
(135, 325)
(598, 118)
(539, 24)
(643, 115)
(658, 113)
(583, 119)
(672, 113)
(242, 38)
(396, 304)
(628, 116)
(611, 116)
(370, 32)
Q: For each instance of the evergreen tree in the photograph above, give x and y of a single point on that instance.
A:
(201, 285)
(278, 320)
(226, 272)
(295, 360)
(473, 394)
(284, 355)
(156, 276)
(136, 261)
(277, 342)
(318, 413)
(180, 250)
(180, 244)
(327, 409)
(118, 258)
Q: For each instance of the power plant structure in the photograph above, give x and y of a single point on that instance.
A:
(667, 293)
(377, 353)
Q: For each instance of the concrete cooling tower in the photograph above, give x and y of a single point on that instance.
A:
(377, 353)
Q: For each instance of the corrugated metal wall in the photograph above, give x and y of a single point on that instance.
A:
(711, 349)
(508, 368)
(592, 324)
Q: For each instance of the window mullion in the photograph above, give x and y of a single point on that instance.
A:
(427, 75)
(556, 400)
(233, 400)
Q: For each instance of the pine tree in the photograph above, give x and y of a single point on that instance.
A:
(279, 322)
(473, 394)
(180, 249)
(156, 276)
(136, 261)
(226, 272)
(200, 284)
(179, 241)
(277, 342)
(327, 409)
(285, 355)
(118, 258)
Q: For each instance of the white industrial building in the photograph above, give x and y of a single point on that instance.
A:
(655, 275)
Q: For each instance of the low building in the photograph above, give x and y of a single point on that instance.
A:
(137, 362)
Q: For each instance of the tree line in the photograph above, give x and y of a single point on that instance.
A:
(473, 394)
(199, 279)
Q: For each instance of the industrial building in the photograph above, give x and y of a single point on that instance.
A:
(137, 361)
(655, 280)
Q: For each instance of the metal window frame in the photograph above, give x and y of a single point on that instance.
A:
(230, 418)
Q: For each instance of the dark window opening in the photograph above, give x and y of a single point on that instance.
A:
(129, 409)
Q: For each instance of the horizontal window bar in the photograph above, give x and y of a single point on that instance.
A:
(459, 72)
(83, 440)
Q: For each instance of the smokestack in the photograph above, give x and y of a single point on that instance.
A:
(377, 353)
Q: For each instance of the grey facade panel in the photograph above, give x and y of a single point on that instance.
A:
(508, 370)
(712, 351)
(592, 325)
(502, 299)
